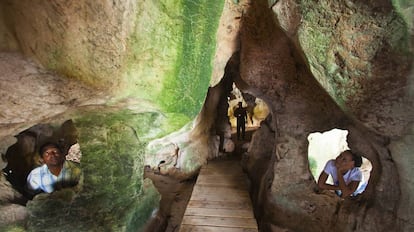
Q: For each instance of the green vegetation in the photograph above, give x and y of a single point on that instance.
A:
(313, 165)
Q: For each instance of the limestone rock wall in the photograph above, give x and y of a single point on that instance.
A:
(145, 61)
(142, 70)
(69, 37)
(7, 38)
(131, 49)
(30, 94)
(345, 65)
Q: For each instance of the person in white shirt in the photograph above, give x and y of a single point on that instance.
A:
(346, 175)
(55, 173)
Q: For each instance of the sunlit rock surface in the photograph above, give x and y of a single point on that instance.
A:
(31, 94)
(125, 73)
(147, 83)
(360, 53)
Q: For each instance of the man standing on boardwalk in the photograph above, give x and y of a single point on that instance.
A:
(241, 115)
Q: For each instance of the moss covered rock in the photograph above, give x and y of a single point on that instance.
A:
(113, 194)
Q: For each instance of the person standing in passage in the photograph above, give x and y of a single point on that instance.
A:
(241, 116)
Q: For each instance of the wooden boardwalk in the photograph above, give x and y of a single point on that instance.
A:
(220, 200)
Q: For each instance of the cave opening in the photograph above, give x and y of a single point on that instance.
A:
(257, 109)
(325, 146)
(22, 157)
(221, 102)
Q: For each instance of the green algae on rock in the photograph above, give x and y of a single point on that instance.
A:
(112, 195)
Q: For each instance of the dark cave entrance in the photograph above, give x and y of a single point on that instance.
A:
(22, 157)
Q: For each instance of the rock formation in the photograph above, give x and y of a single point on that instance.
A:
(144, 87)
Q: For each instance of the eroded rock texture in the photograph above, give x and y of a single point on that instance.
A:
(358, 57)
(129, 73)
(101, 65)
(69, 36)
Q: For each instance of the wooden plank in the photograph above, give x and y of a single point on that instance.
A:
(220, 200)
(213, 212)
(218, 184)
(219, 190)
(228, 198)
(219, 204)
(231, 196)
(220, 222)
(222, 181)
(192, 228)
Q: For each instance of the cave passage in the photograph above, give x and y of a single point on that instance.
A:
(256, 108)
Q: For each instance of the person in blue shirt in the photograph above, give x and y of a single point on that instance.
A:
(55, 173)
(346, 175)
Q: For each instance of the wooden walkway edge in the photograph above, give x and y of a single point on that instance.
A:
(220, 200)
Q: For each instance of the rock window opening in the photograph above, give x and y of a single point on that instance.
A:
(22, 157)
(256, 108)
(328, 145)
